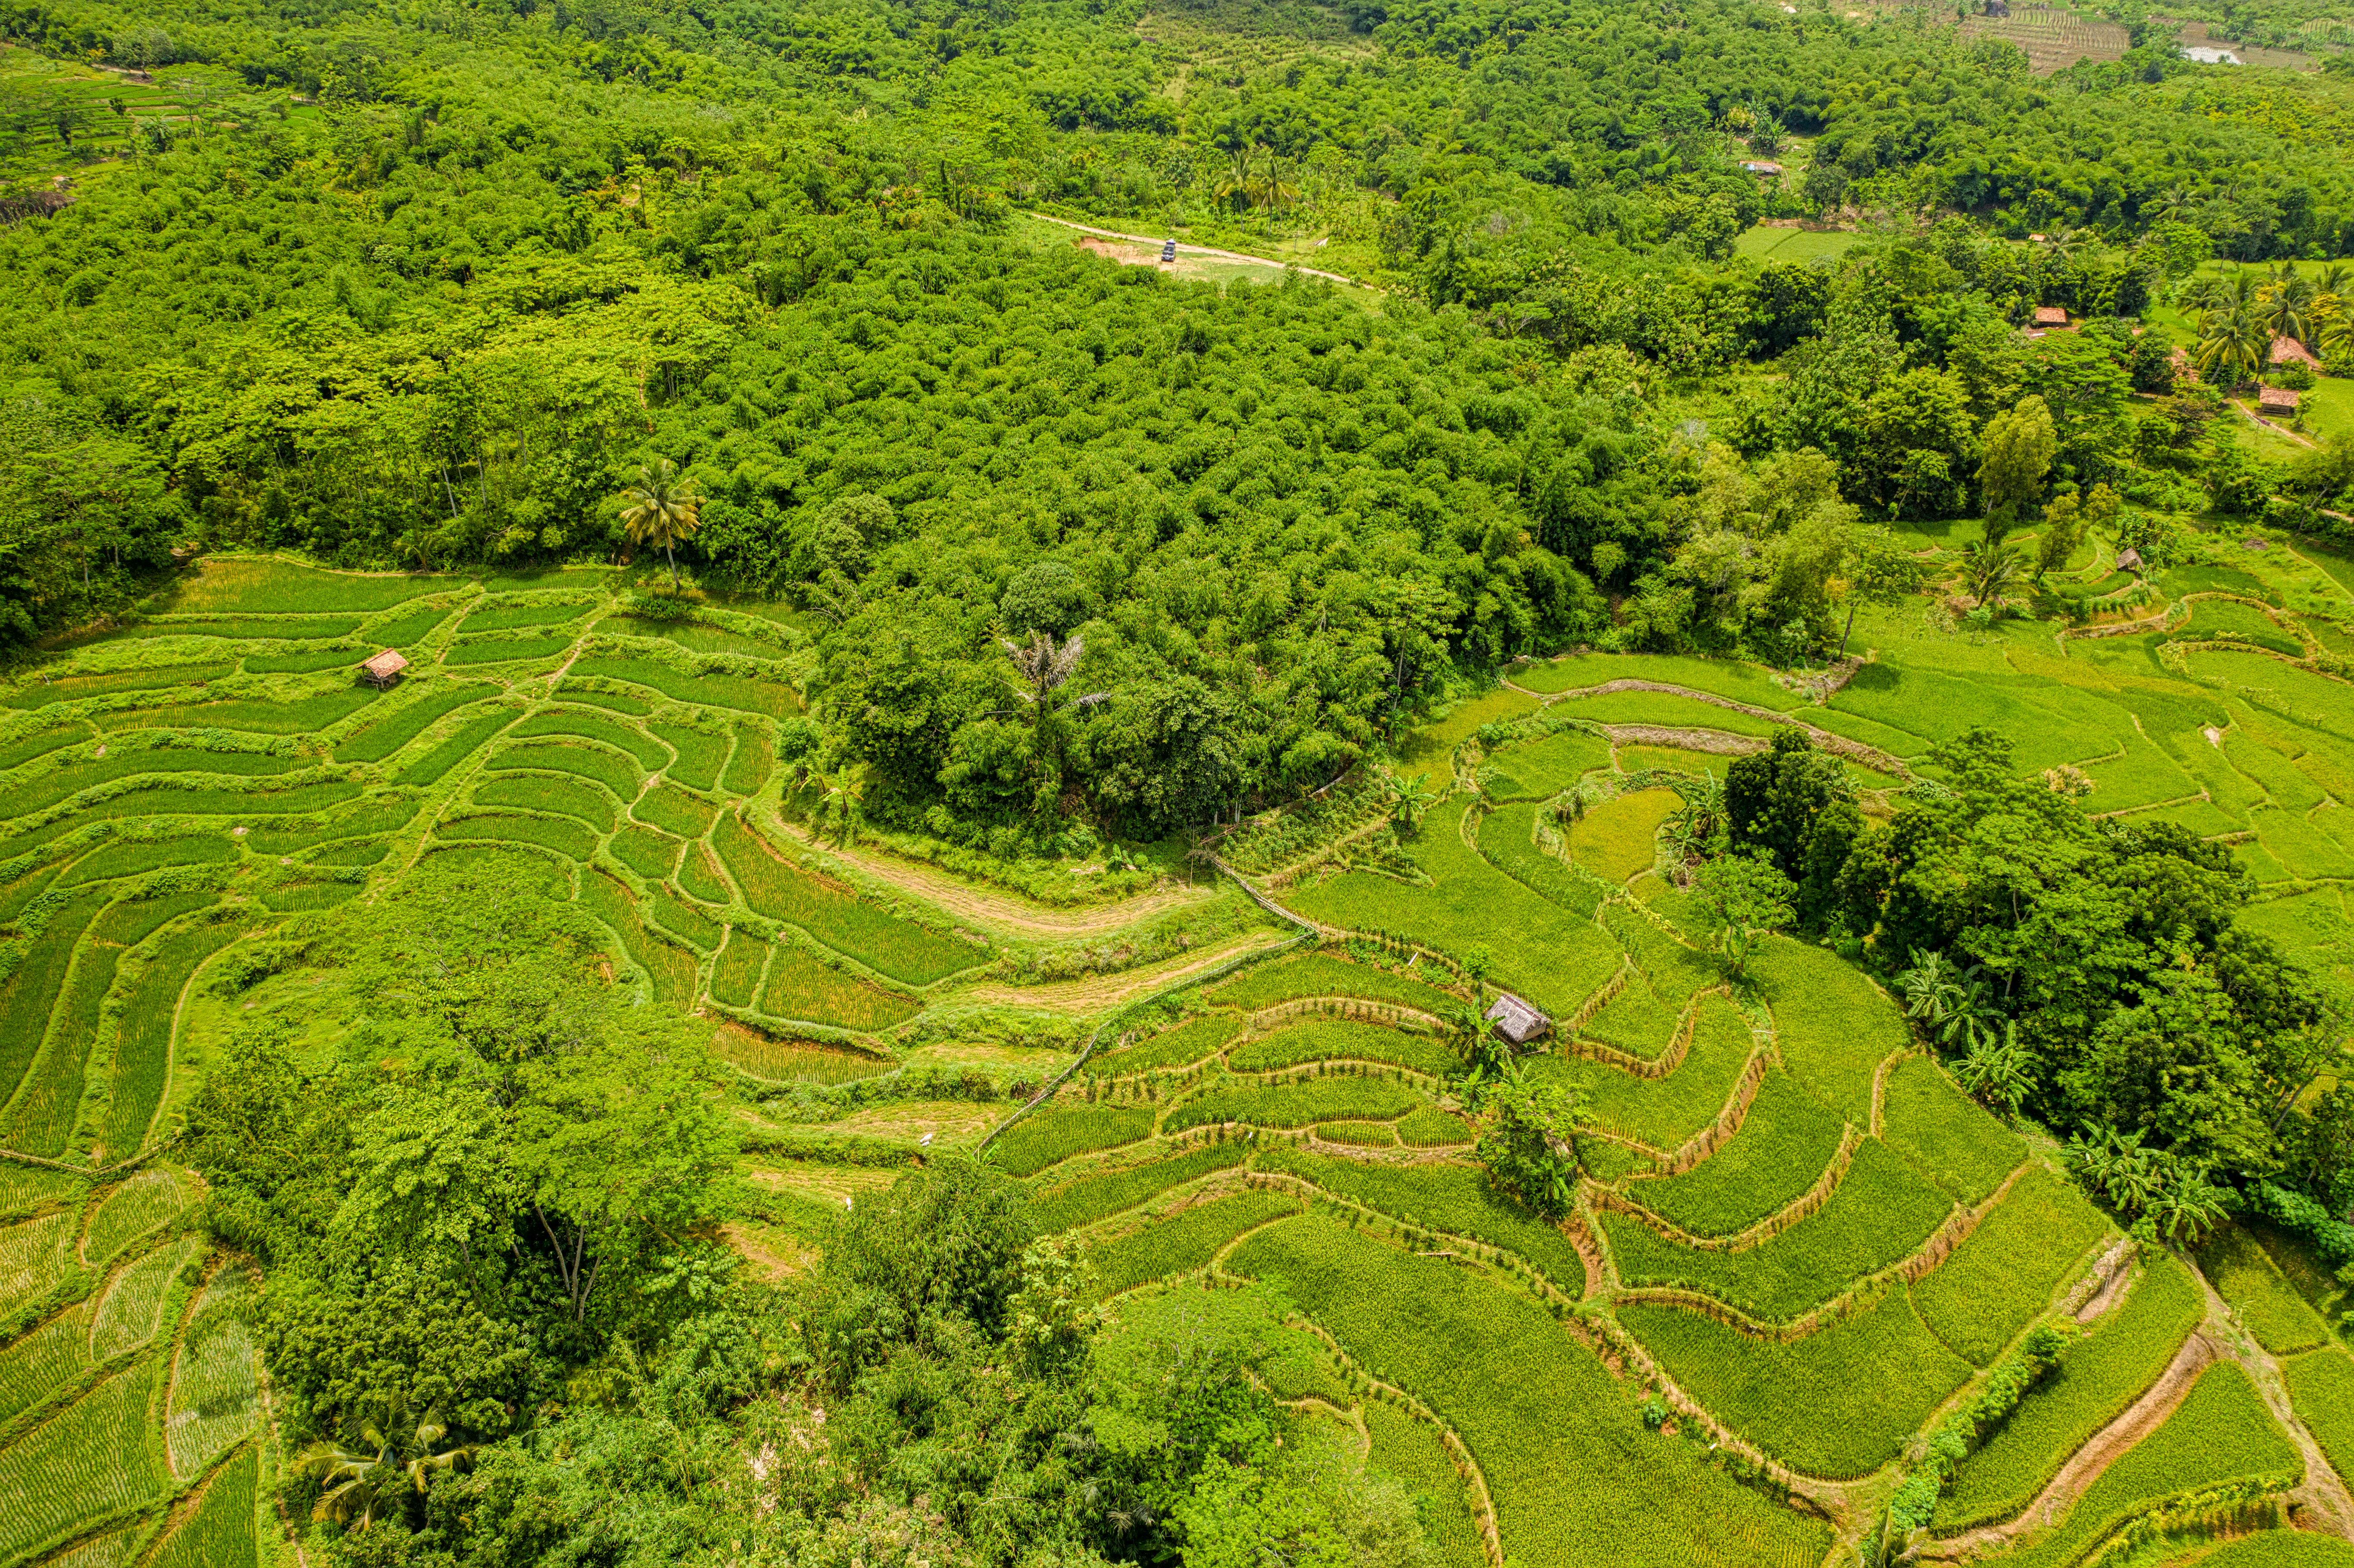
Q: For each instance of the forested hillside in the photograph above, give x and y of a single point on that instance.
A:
(1614, 831)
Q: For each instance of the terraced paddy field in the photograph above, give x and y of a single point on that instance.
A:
(1797, 1246)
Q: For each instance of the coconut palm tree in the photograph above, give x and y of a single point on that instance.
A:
(360, 1482)
(2286, 302)
(1989, 567)
(2234, 341)
(662, 509)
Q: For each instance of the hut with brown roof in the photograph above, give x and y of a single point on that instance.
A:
(1515, 1020)
(384, 669)
(2051, 318)
(2276, 400)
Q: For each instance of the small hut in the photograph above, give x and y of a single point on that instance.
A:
(2276, 400)
(1764, 168)
(1515, 1020)
(2130, 560)
(2051, 318)
(384, 669)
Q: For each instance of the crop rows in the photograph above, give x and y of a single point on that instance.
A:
(1839, 1403)
(1054, 1133)
(1664, 1113)
(219, 1534)
(2267, 1304)
(1324, 974)
(802, 985)
(1326, 1039)
(1882, 1212)
(1091, 1198)
(2002, 1275)
(90, 1460)
(134, 1207)
(216, 1393)
(2097, 1378)
(2221, 1433)
(1183, 1241)
(1453, 1199)
(890, 946)
(1192, 1041)
(1495, 1366)
(1296, 1104)
(1787, 1140)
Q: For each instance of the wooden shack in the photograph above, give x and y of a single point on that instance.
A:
(2278, 401)
(1516, 1021)
(385, 669)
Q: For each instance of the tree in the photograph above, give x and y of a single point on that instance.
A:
(662, 509)
(1989, 567)
(2019, 450)
(1882, 570)
(2066, 522)
(1408, 798)
(2235, 341)
(1775, 799)
(1749, 898)
(1528, 1144)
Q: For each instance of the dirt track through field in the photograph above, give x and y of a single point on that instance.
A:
(2087, 1464)
(1003, 911)
(1109, 990)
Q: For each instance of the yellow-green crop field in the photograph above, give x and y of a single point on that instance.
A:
(1797, 1244)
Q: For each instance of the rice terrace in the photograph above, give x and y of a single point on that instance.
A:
(1794, 1247)
(1176, 784)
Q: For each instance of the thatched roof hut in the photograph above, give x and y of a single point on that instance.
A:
(384, 669)
(1515, 1020)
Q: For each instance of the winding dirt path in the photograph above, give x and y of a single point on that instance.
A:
(1003, 911)
(2087, 1464)
(1109, 991)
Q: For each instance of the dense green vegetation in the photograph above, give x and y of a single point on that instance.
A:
(754, 1051)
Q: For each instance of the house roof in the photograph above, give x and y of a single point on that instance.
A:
(2275, 397)
(391, 661)
(2287, 350)
(1761, 166)
(2128, 559)
(1515, 1020)
(2050, 316)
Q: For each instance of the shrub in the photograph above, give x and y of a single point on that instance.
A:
(2097, 1378)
